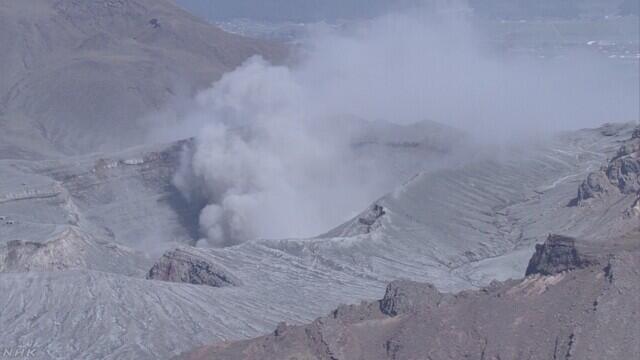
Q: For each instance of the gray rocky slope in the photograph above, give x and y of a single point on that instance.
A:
(79, 76)
(83, 233)
(575, 309)
(579, 300)
(456, 228)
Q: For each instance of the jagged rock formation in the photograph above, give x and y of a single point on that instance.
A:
(621, 174)
(187, 266)
(403, 296)
(597, 183)
(365, 223)
(557, 254)
(584, 312)
(370, 218)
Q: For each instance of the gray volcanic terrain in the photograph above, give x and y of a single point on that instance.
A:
(582, 309)
(103, 304)
(147, 158)
(78, 76)
(579, 298)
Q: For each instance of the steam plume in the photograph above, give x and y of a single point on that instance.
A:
(274, 156)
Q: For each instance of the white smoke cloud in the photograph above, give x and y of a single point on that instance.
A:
(267, 165)
(274, 155)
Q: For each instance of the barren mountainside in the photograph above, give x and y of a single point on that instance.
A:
(80, 76)
(579, 299)
(578, 310)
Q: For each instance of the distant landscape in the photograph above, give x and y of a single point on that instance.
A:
(330, 10)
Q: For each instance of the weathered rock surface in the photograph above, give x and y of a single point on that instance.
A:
(187, 266)
(583, 313)
(621, 174)
(557, 254)
(595, 185)
(403, 296)
(365, 223)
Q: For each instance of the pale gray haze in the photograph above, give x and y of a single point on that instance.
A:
(274, 155)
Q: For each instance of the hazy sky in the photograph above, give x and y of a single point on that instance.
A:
(296, 10)
(313, 10)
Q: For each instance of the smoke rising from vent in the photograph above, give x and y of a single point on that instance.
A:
(267, 166)
(274, 154)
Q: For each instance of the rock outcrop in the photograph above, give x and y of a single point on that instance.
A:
(403, 297)
(370, 218)
(365, 223)
(188, 266)
(556, 255)
(590, 314)
(595, 185)
(621, 174)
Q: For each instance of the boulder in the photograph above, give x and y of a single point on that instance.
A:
(403, 296)
(556, 255)
(188, 266)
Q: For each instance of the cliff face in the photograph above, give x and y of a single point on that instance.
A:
(621, 175)
(557, 254)
(187, 266)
